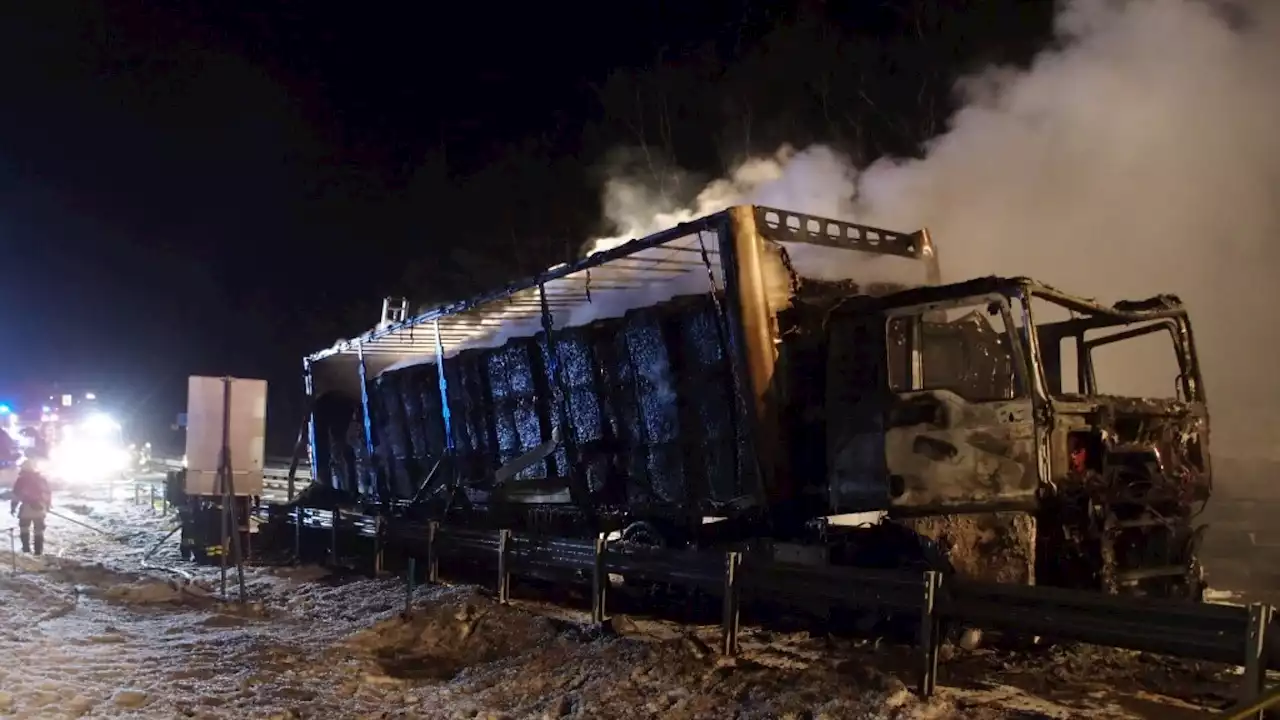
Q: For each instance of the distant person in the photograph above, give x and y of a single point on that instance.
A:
(31, 501)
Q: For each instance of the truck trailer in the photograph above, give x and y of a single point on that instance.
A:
(699, 387)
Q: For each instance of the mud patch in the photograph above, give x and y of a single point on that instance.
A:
(683, 679)
(460, 630)
(478, 658)
(1078, 676)
(992, 547)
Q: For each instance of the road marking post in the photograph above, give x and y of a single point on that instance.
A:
(599, 581)
(433, 552)
(730, 620)
(504, 573)
(930, 639)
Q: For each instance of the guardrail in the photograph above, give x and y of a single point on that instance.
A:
(1218, 633)
(275, 475)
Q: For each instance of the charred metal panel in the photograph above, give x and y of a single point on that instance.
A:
(857, 395)
(550, 396)
(421, 384)
(340, 449)
(589, 427)
(655, 455)
(393, 445)
(945, 452)
(966, 444)
(511, 373)
(955, 436)
(475, 432)
(419, 398)
(334, 413)
(650, 401)
(710, 404)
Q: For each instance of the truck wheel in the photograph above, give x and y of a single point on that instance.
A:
(643, 534)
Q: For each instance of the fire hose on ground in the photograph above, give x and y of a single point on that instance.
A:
(177, 571)
(145, 557)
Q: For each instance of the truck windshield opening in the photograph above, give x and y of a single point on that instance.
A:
(1094, 355)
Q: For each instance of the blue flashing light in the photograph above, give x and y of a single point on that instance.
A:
(5, 410)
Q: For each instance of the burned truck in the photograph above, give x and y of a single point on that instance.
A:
(700, 387)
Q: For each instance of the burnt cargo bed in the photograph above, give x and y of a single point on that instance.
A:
(651, 421)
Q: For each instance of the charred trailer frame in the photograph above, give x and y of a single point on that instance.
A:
(645, 423)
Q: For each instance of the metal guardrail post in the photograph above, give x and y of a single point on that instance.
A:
(377, 546)
(433, 552)
(729, 621)
(504, 573)
(410, 577)
(297, 534)
(1255, 658)
(333, 536)
(930, 639)
(153, 499)
(599, 581)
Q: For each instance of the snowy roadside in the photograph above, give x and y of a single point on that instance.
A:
(88, 631)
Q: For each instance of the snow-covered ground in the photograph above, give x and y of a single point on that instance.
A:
(90, 631)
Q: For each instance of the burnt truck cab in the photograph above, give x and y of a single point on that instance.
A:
(1007, 449)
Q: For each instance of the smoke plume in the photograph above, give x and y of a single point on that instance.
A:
(1139, 155)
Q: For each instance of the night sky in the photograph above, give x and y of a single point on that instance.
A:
(222, 187)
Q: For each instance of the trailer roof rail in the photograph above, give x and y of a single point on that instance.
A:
(684, 253)
(785, 226)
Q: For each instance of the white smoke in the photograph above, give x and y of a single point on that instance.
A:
(1140, 155)
(635, 209)
(817, 180)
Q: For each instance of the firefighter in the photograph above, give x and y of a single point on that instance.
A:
(31, 501)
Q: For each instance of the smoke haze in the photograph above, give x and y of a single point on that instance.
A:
(1140, 155)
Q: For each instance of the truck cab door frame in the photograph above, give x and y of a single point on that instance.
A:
(948, 453)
